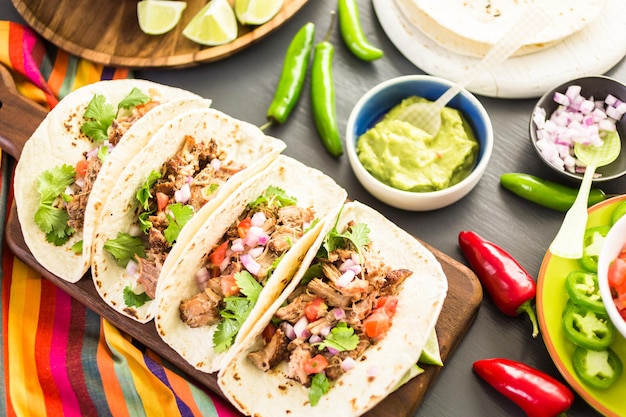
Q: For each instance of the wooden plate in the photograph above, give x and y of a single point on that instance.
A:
(107, 32)
(19, 117)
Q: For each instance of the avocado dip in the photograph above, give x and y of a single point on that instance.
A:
(405, 157)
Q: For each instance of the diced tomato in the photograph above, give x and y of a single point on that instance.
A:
(244, 226)
(315, 309)
(269, 332)
(162, 200)
(219, 254)
(377, 323)
(389, 304)
(315, 365)
(617, 281)
(81, 168)
(229, 285)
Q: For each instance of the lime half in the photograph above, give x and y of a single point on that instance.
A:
(215, 24)
(256, 12)
(430, 354)
(156, 17)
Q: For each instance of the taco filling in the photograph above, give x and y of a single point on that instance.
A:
(64, 190)
(168, 199)
(344, 303)
(242, 261)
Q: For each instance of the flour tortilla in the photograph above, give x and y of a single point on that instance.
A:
(58, 141)
(383, 365)
(311, 188)
(473, 27)
(241, 142)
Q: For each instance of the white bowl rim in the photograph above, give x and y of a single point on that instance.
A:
(473, 177)
(613, 243)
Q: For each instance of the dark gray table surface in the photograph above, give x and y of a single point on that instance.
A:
(243, 86)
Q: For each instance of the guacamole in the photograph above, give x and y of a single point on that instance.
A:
(405, 157)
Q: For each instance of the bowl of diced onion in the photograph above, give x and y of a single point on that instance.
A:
(579, 111)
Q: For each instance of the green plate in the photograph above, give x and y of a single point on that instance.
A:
(551, 299)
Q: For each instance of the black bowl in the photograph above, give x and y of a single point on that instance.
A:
(598, 87)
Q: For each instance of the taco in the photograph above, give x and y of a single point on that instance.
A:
(241, 260)
(346, 330)
(194, 162)
(69, 164)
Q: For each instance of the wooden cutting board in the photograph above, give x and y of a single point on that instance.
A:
(107, 32)
(19, 117)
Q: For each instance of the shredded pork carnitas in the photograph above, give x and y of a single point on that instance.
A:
(346, 302)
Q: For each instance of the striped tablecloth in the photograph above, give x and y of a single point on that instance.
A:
(58, 357)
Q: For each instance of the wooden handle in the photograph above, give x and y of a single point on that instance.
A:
(19, 116)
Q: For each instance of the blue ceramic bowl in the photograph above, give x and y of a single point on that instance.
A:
(379, 100)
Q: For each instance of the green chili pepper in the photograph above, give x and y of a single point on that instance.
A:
(293, 74)
(592, 244)
(323, 94)
(586, 328)
(352, 32)
(546, 193)
(599, 369)
(583, 289)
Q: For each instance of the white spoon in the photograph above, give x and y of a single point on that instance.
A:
(427, 115)
(569, 241)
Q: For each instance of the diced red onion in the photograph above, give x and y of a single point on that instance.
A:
(202, 276)
(325, 331)
(184, 194)
(92, 152)
(258, 219)
(224, 264)
(339, 313)
(345, 279)
(132, 268)
(256, 252)
(347, 364)
(250, 264)
(237, 245)
(332, 350)
(255, 236)
(315, 339)
(576, 120)
(346, 265)
(80, 182)
(216, 164)
(300, 329)
(289, 330)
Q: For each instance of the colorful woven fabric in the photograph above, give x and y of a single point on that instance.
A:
(58, 357)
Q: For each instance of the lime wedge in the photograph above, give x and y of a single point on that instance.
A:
(156, 17)
(256, 12)
(215, 24)
(413, 371)
(430, 354)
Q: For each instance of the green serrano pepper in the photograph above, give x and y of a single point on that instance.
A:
(352, 32)
(546, 193)
(293, 74)
(323, 94)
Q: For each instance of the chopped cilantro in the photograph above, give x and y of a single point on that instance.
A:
(178, 215)
(134, 300)
(52, 220)
(124, 247)
(358, 235)
(133, 99)
(274, 197)
(314, 271)
(341, 338)
(99, 114)
(319, 387)
(144, 224)
(143, 194)
(103, 152)
(236, 310)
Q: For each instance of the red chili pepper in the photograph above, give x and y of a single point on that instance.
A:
(537, 393)
(509, 285)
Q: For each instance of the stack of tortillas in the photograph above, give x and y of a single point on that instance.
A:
(472, 27)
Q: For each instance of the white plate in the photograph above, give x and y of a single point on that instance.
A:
(593, 50)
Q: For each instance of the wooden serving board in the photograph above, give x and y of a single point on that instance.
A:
(19, 118)
(107, 32)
